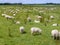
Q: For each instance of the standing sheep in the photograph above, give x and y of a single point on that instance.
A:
(9, 17)
(35, 30)
(39, 17)
(29, 19)
(21, 29)
(51, 17)
(54, 34)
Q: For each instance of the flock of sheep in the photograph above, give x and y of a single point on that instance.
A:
(35, 30)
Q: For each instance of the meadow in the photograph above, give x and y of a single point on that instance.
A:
(9, 31)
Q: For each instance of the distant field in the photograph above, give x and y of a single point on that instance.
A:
(22, 11)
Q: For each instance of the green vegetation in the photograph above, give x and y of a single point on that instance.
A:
(9, 31)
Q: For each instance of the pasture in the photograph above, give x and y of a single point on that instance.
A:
(9, 31)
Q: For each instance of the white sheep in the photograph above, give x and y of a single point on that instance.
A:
(21, 29)
(55, 24)
(14, 14)
(29, 19)
(36, 21)
(35, 30)
(41, 11)
(39, 17)
(51, 17)
(54, 33)
(9, 17)
(17, 22)
(3, 14)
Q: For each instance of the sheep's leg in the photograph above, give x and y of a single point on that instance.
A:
(54, 37)
(29, 20)
(58, 38)
(32, 33)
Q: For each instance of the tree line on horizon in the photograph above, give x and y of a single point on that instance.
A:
(22, 3)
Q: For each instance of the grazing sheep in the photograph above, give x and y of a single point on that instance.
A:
(54, 34)
(55, 24)
(21, 29)
(36, 21)
(9, 17)
(17, 22)
(39, 17)
(3, 14)
(14, 14)
(51, 17)
(29, 19)
(35, 30)
(51, 8)
(41, 11)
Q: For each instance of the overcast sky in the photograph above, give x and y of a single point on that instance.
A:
(30, 1)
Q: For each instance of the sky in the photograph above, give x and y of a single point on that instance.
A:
(30, 1)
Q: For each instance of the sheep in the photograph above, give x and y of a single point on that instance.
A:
(21, 29)
(55, 24)
(9, 17)
(14, 14)
(39, 17)
(51, 8)
(17, 22)
(3, 14)
(17, 10)
(36, 21)
(35, 30)
(41, 11)
(51, 17)
(54, 34)
(29, 19)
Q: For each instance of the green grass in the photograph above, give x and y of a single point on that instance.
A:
(27, 39)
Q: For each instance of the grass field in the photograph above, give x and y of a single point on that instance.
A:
(23, 11)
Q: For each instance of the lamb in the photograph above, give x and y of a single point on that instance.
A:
(54, 34)
(35, 30)
(22, 29)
